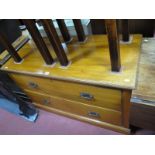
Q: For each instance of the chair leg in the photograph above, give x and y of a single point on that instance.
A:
(125, 30)
(30, 25)
(55, 41)
(114, 47)
(64, 31)
(79, 29)
(7, 45)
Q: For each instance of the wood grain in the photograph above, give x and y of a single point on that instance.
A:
(143, 97)
(44, 102)
(114, 47)
(78, 108)
(110, 126)
(90, 63)
(58, 89)
(101, 96)
(145, 79)
(126, 96)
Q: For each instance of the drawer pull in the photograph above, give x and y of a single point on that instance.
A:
(94, 114)
(45, 101)
(33, 85)
(86, 96)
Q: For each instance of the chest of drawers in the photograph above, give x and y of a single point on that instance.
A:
(95, 104)
(86, 90)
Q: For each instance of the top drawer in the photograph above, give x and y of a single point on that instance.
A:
(93, 95)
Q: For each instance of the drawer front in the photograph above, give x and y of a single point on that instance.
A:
(92, 95)
(92, 112)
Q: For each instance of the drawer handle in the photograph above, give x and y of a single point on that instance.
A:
(86, 96)
(33, 85)
(94, 114)
(45, 101)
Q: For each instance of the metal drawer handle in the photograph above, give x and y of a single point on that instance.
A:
(45, 101)
(86, 96)
(94, 114)
(33, 85)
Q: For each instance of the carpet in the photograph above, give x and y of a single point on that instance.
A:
(14, 109)
(48, 124)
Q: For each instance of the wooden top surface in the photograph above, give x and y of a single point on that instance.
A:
(90, 62)
(145, 89)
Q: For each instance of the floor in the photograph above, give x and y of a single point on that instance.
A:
(49, 123)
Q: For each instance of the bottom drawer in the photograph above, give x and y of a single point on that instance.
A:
(78, 108)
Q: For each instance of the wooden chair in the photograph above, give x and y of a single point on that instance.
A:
(112, 33)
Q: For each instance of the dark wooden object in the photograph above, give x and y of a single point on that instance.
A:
(98, 26)
(10, 28)
(125, 30)
(136, 26)
(114, 47)
(4, 41)
(64, 30)
(30, 24)
(17, 48)
(143, 114)
(79, 29)
(55, 41)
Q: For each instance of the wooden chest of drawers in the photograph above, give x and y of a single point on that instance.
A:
(95, 104)
(87, 89)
